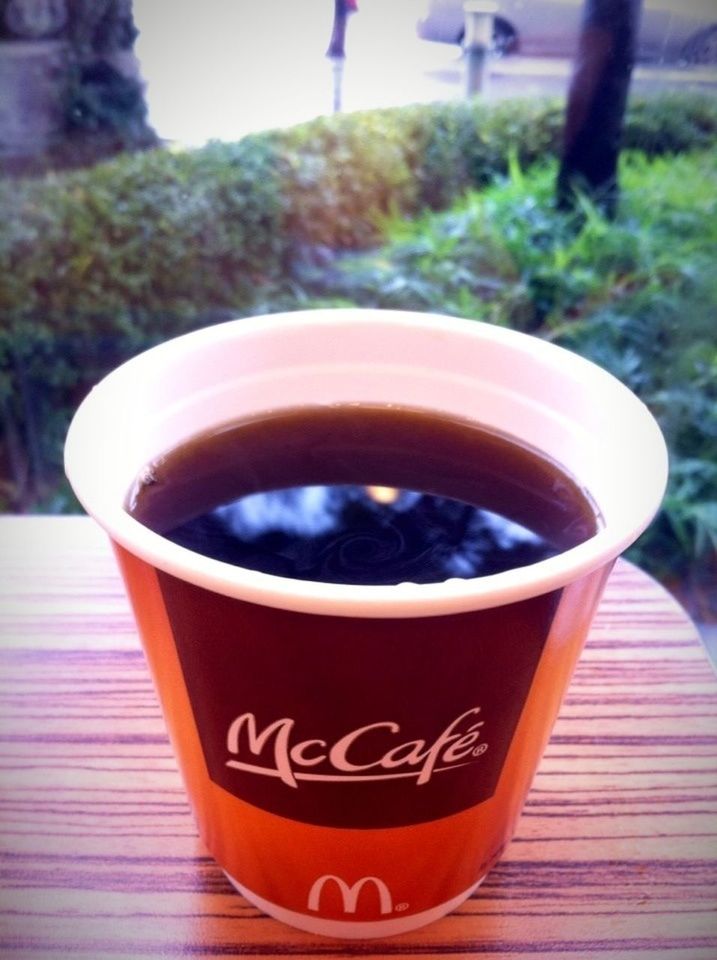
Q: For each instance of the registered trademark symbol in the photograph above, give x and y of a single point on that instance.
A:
(400, 907)
(480, 749)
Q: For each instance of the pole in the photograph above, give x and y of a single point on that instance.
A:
(478, 39)
(337, 48)
(337, 69)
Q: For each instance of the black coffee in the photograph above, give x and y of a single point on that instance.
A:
(363, 494)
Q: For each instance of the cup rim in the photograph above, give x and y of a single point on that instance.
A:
(403, 600)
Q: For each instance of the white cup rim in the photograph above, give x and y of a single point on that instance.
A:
(403, 600)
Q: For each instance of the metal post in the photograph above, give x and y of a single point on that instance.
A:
(478, 39)
(337, 48)
(337, 69)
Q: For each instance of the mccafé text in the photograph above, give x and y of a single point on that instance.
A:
(279, 753)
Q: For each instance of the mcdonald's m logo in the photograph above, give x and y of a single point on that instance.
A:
(350, 894)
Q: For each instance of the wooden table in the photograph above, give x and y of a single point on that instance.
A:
(616, 852)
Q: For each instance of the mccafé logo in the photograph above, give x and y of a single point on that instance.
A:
(277, 751)
(286, 727)
(350, 894)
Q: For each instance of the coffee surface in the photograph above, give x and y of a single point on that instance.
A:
(365, 495)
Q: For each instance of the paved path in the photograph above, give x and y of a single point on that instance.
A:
(221, 69)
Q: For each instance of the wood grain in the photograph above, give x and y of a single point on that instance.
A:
(616, 852)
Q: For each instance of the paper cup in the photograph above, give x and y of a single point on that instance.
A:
(357, 756)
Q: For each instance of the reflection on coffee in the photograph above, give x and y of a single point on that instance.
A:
(363, 494)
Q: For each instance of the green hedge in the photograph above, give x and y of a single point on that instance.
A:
(100, 263)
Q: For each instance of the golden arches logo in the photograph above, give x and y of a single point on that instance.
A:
(350, 894)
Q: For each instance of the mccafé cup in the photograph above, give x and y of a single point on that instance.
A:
(273, 688)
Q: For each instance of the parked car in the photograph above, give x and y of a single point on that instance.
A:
(670, 30)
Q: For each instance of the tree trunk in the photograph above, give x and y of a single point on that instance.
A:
(596, 103)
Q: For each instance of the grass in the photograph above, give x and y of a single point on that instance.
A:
(637, 295)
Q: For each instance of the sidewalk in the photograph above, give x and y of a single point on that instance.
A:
(230, 69)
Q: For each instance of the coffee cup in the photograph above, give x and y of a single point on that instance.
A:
(357, 756)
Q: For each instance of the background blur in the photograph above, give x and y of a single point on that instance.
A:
(169, 163)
